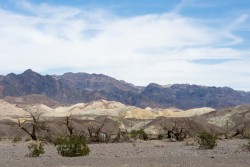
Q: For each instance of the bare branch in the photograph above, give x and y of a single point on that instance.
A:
(35, 127)
(68, 121)
(94, 132)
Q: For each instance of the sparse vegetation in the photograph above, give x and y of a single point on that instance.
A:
(35, 150)
(207, 140)
(72, 146)
(16, 139)
(138, 134)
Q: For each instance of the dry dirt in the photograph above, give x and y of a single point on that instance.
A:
(228, 153)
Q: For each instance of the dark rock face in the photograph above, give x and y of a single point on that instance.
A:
(192, 96)
(30, 82)
(83, 87)
(94, 82)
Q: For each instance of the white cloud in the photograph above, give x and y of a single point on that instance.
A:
(140, 49)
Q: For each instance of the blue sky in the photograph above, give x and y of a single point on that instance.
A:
(143, 41)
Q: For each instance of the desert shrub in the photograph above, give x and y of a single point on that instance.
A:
(72, 146)
(160, 137)
(35, 150)
(16, 139)
(27, 139)
(207, 140)
(138, 134)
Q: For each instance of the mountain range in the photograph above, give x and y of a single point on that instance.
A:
(71, 88)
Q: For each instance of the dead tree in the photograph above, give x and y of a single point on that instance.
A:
(122, 136)
(94, 132)
(108, 134)
(68, 122)
(176, 129)
(32, 124)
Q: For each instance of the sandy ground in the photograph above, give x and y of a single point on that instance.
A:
(228, 153)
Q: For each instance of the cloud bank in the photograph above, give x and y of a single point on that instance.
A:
(163, 48)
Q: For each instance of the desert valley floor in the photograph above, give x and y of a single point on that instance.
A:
(229, 153)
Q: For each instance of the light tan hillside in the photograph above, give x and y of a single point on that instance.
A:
(137, 113)
(7, 109)
(100, 108)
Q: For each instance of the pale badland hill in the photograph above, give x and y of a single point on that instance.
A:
(118, 116)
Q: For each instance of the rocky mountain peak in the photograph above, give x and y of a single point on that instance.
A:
(28, 71)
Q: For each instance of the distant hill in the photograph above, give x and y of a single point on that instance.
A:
(82, 87)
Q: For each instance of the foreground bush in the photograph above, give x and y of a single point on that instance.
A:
(207, 141)
(72, 146)
(35, 150)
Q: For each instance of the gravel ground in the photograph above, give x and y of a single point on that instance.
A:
(228, 153)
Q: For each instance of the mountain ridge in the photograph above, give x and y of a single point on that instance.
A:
(72, 88)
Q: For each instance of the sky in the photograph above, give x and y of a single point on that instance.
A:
(144, 41)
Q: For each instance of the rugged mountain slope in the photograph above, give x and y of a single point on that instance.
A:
(81, 87)
(192, 96)
(94, 82)
(30, 82)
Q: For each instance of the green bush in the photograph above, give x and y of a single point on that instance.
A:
(72, 146)
(35, 150)
(207, 141)
(138, 134)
